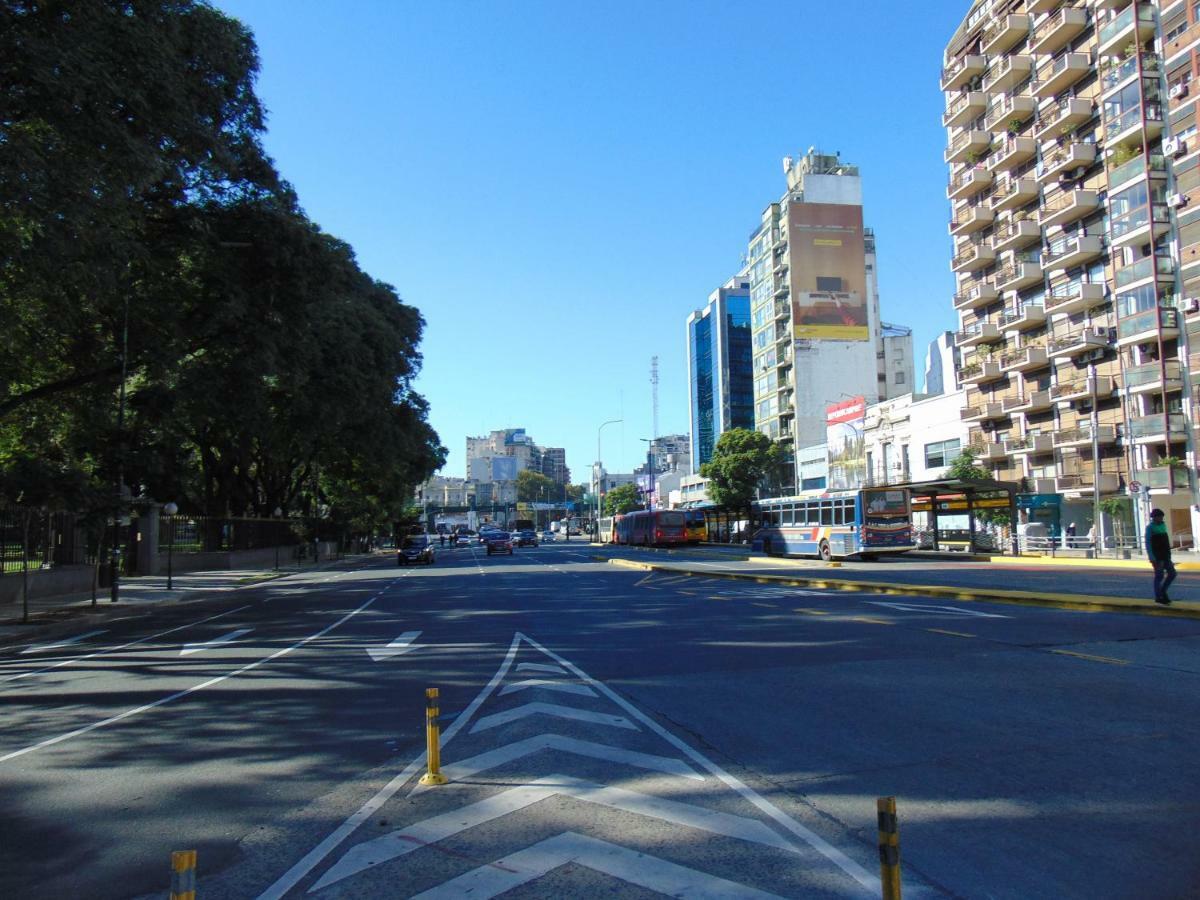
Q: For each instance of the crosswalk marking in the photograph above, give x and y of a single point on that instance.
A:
(550, 709)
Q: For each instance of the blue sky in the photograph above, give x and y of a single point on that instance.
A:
(557, 185)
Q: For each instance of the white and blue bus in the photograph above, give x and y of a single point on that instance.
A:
(864, 523)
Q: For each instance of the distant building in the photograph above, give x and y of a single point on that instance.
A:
(670, 452)
(941, 365)
(895, 357)
(554, 465)
(720, 380)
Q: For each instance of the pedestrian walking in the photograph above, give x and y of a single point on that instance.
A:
(441, 539)
(1071, 535)
(1158, 548)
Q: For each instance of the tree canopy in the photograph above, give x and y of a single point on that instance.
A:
(534, 487)
(740, 461)
(622, 499)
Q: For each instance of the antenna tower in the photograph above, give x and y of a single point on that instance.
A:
(654, 395)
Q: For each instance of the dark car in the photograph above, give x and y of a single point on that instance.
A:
(417, 548)
(499, 542)
(524, 538)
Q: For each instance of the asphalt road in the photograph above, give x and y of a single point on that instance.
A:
(605, 731)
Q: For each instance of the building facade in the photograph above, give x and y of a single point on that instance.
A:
(720, 382)
(1072, 158)
(554, 465)
(941, 365)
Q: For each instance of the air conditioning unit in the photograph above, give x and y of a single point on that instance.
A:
(1170, 145)
(1191, 304)
(1178, 90)
(1177, 200)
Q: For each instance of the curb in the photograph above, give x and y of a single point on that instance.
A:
(1058, 601)
(1084, 562)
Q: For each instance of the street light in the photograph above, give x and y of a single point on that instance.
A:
(600, 470)
(170, 509)
(278, 514)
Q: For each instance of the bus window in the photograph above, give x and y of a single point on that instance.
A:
(787, 514)
(827, 513)
(838, 516)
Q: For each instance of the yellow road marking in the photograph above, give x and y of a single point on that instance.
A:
(812, 612)
(1104, 659)
(871, 621)
(947, 631)
(718, 597)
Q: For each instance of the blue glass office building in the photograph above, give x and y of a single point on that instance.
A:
(720, 382)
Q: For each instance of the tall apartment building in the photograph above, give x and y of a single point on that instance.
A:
(720, 383)
(1072, 151)
(941, 366)
(554, 465)
(815, 325)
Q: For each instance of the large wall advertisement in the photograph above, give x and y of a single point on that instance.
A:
(828, 269)
(844, 424)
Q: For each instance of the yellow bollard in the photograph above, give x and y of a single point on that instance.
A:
(433, 739)
(889, 848)
(183, 875)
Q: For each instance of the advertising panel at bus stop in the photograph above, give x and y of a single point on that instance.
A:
(844, 423)
(828, 272)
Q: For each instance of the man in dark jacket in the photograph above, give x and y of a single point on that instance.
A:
(1158, 548)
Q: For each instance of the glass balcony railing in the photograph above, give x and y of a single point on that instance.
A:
(1147, 321)
(1138, 218)
(1144, 268)
(1132, 118)
(1123, 21)
(1126, 67)
(1157, 424)
(1135, 167)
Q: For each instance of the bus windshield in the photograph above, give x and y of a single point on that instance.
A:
(884, 503)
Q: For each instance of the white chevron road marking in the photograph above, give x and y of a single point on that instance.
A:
(541, 667)
(189, 649)
(405, 840)
(551, 709)
(629, 866)
(397, 647)
(40, 648)
(563, 687)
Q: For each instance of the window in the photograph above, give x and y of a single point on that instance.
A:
(941, 453)
(899, 378)
(829, 283)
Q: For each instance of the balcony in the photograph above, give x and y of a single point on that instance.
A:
(1012, 152)
(1042, 485)
(961, 71)
(1125, 29)
(1140, 225)
(781, 289)
(1149, 378)
(1003, 34)
(1009, 110)
(980, 372)
(1122, 175)
(1084, 341)
(1078, 389)
(1067, 206)
(1057, 160)
(1081, 436)
(1058, 30)
(1075, 297)
(1031, 315)
(1024, 359)
(964, 108)
(1037, 7)
(1060, 73)
(979, 333)
(1013, 235)
(1129, 125)
(1029, 402)
(969, 218)
(1118, 72)
(1158, 429)
(1160, 479)
(968, 183)
(1007, 72)
(988, 451)
(1030, 445)
(983, 412)
(1145, 326)
(1066, 253)
(972, 256)
(1017, 274)
(1143, 269)
(1011, 193)
(1068, 114)
(968, 146)
(1086, 482)
(977, 295)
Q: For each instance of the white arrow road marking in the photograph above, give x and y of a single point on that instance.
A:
(551, 709)
(468, 768)
(189, 649)
(942, 610)
(405, 840)
(400, 645)
(40, 648)
(563, 687)
(541, 667)
(629, 866)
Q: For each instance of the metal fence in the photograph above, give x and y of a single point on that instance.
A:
(42, 539)
(205, 534)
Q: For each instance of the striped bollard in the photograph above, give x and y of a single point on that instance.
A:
(889, 848)
(183, 875)
(433, 740)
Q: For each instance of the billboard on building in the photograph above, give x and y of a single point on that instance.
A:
(504, 468)
(844, 424)
(828, 272)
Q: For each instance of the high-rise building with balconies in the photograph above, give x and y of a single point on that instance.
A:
(1068, 126)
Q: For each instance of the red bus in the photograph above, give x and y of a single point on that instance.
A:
(662, 527)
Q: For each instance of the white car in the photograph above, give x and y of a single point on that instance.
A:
(547, 537)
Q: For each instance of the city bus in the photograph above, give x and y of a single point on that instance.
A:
(864, 523)
(662, 527)
(695, 526)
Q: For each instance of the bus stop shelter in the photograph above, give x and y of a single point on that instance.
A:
(978, 493)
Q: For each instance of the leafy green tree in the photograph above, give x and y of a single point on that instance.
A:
(963, 467)
(575, 492)
(534, 487)
(622, 499)
(741, 460)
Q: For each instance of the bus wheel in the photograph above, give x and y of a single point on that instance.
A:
(826, 553)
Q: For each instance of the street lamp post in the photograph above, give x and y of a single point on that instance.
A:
(278, 515)
(600, 470)
(170, 509)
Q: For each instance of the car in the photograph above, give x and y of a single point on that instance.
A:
(547, 537)
(416, 548)
(499, 542)
(524, 538)
(485, 531)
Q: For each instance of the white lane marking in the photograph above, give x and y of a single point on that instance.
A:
(551, 709)
(468, 768)
(189, 649)
(940, 610)
(104, 723)
(627, 865)
(563, 687)
(292, 876)
(405, 840)
(541, 667)
(834, 855)
(42, 648)
(397, 647)
(109, 650)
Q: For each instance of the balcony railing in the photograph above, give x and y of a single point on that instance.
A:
(1148, 321)
(1132, 118)
(1144, 268)
(1151, 375)
(1158, 426)
(1126, 68)
(1118, 175)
